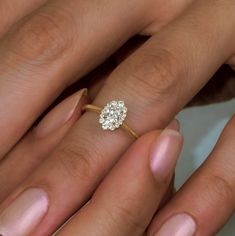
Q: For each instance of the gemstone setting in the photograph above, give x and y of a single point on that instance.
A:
(113, 115)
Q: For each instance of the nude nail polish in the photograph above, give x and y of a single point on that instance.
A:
(24, 213)
(165, 153)
(178, 225)
(60, 114)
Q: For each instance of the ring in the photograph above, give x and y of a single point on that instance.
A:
(112, 116)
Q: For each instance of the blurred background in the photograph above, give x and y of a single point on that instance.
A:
(201, 126)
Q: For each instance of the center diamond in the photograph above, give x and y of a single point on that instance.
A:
(113, 115)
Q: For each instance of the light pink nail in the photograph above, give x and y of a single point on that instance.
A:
(56, 118)
(178, 225)
(165, 153)
(24, 213)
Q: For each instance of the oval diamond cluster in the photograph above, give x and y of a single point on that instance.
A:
(113, 115)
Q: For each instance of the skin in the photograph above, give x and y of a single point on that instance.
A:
(117, 205)
(52, 47)
(36, 145)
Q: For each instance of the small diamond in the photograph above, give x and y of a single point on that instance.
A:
(121, 104)
(113, 115)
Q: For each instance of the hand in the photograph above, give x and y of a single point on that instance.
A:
(121, 207)
(154, 82)
(59, 42)
(129, 196)
(207, 197)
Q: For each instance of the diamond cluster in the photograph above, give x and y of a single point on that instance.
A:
(113, 115)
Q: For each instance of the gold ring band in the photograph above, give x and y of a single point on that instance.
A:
(112, 116)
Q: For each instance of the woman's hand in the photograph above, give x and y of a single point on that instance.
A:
(124, 203)
(129, 196)
(65, 39)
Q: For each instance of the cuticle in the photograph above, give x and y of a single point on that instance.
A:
(175, 214)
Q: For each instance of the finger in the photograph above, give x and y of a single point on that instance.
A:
(117, 206)
(53, 47)
(39, 142)
(207, 200)
(44, 52)
(160, 70)
(14, 10)
(169, 194)
(95, 80)
(153, 96)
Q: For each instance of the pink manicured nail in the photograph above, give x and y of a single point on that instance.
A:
(165, 153)
(24, 213)
(178, 225)
(60, 114)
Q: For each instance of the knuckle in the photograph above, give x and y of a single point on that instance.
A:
(154, 74)
(75, 162)
(220, 189)
(78, 161)
(41, 37)
(130, 217)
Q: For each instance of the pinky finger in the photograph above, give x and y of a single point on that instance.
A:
(39, 142)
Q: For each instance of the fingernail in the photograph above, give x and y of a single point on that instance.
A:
(24, 213)
(60, 114)
(165, 153)
(178, 225)
(174, 124)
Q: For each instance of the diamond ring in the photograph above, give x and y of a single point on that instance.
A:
(112, 116)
